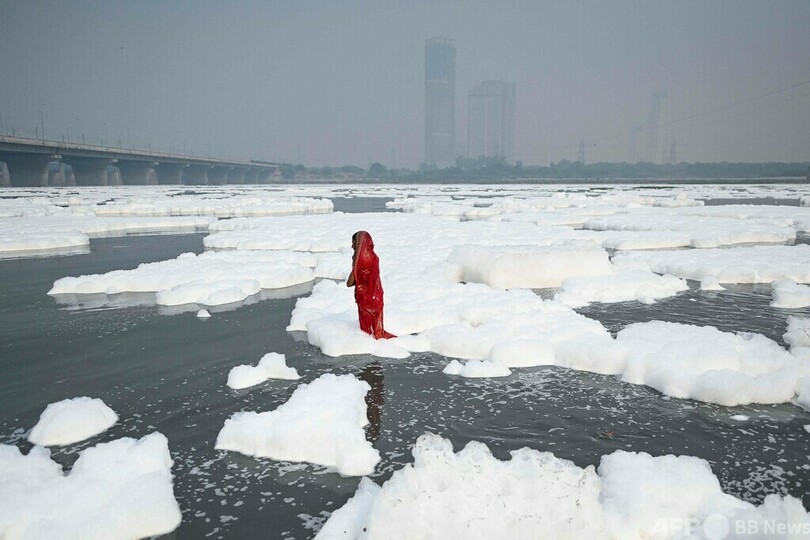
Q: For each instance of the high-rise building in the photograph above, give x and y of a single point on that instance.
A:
(491, 120)
(656, 152)
(440, 102)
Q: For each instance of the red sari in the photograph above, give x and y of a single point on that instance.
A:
(368, 291)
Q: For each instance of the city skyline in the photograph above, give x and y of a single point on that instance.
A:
(328, 85)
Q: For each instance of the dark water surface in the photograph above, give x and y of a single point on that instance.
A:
(167, 373)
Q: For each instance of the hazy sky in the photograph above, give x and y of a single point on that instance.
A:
(342, 82)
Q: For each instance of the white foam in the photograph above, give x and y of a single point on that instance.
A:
(803, 393)
(528, 266)
(710, 283)
(756, 264)
(321, 423)
(37, 233)
(621, 286)
(704, 227)
(471, 494)
(341, 335)
(72, 420)
(787, 294)
(271, 366)
(740, 418)
(632, 240)
(119, 489)
(19, 242)
(705, 364)
(203, 314)
(208, 279)
(223, 205)
(798, 332)
(477, 369)
(515, 328)
(683, 361)
(41, 220)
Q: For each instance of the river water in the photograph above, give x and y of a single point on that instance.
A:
(166, 371)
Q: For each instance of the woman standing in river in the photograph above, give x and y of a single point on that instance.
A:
(368, 291)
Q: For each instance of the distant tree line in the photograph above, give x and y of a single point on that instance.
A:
(494, 170)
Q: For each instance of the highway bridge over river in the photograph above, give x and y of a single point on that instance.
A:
(37, 162)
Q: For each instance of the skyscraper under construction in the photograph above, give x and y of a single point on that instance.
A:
(440, 102)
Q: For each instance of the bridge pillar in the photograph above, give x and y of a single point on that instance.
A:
(5, 180)
(114, 176)
(265, 176)
(217, 175)
(251, 176)
(195, 175)
(138, 173)
(91, 171)
(70, 177)
(28, 169)
(58, 176)
(236, 176)
(169, 173)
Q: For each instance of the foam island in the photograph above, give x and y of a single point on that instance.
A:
(72, 420)
(208, 279)
(321, 423)
(471, 494)
(271, 366)
(118, 489)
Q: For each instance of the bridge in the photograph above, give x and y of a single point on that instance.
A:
(37, 162)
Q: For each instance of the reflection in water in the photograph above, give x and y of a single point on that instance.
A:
(375, 398)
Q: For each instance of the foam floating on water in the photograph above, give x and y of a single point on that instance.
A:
(321, 423)
(203, 314)
(528, 266)
(705, 228)
(710, 283)
(515, 328)
(803, 393)
(471, 494)
(703, 363)
(223, 205)
(208, 279)
(787, 294)
(798, 332)
(58, 232)
(72, 420)
(622, 286)
(271, 366)
(119, 489)
(476, 369)
(755, 264)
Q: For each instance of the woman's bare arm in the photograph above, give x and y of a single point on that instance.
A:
(350, 281)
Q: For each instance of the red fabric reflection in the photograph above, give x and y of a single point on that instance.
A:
(368, 291)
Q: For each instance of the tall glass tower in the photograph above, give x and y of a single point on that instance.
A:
(440, 102)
